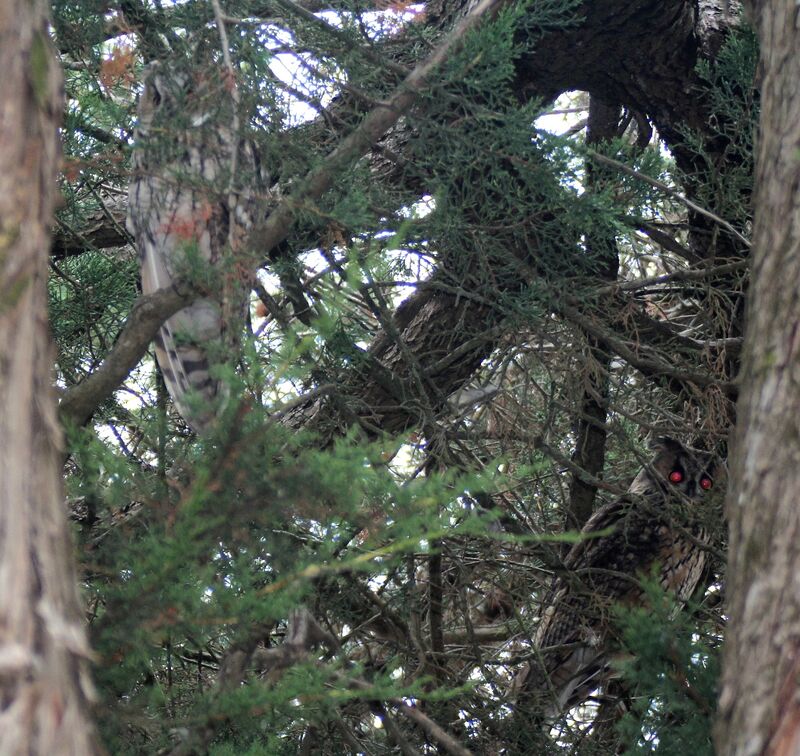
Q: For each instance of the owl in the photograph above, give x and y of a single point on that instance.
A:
(642, 532)
(192, 201)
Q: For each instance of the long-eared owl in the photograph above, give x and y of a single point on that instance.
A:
(193, 198)
(573, 640)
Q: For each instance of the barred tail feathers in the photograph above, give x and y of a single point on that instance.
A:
(182, 347)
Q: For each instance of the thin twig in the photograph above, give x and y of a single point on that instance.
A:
(233, 88)
(372, 128)
(670, 191)
(425, 723)
(325, 388)
(681, 275)
(443, 738)
(648, 366)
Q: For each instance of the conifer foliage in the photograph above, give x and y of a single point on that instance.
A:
(492, 249)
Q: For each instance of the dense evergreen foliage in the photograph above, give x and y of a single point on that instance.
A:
(352, 560)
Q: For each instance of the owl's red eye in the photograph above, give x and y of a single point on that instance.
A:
(676, 476)
(706, 483)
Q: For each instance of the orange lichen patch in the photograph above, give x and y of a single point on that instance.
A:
(183, 228)
(189, 227)
(71, 168)
(118, 68)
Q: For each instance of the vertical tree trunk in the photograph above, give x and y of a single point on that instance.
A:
(760, 699)
(43, 649)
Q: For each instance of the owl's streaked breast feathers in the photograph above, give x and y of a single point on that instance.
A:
(188, 211)
(573, 637)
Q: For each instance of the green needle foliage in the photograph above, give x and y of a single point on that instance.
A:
(672, 671)
(354, 559)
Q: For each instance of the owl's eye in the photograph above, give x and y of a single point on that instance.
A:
(676, 476)
(706, 483)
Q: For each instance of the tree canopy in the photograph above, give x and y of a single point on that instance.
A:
(498, 248)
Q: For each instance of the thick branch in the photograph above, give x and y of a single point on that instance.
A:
(100, 231)
(147, 315)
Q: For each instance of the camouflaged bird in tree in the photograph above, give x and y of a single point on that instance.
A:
(647, 534)
(192, 203)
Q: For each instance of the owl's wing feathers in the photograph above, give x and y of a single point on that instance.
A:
(182, 344)
(599, 573)
(180, 208)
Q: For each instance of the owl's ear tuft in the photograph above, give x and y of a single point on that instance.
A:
(665, 443)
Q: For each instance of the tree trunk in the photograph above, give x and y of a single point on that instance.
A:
(43, 650)
(760, 699)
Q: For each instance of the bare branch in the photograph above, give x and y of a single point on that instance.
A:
(425, 723)
(650, 366)
(444, 739)
(102, 230)
(680, 275)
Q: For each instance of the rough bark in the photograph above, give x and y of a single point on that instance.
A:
(760, 699)
(101, 230)
(44, 684)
